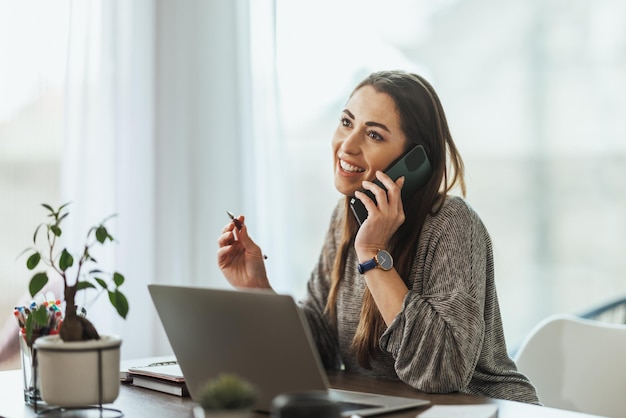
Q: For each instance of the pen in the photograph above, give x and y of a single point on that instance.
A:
(238, 225)
(19, 317)
(235, 220)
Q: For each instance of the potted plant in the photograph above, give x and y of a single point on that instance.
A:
(227, 396)
(78, 367)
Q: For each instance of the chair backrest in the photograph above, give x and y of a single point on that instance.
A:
(577, 364)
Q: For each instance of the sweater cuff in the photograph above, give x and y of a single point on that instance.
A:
(391, 340)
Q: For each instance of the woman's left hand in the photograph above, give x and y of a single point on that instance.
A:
(383, 219)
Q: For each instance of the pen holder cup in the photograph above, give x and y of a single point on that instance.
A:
(32, 385)
(79, 373)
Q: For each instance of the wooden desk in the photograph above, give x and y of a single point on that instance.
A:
(138, 402)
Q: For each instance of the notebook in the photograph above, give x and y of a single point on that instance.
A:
(257, 335)
(125, 365)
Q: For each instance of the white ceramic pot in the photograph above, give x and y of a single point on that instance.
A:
(79, 373)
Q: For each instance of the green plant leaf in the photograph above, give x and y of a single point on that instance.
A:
(64, 205)
(41, 315)
(119, 301)
(118, 278)
(102, 283)
(56, 230)
(35, 234)
(87, 257)
(66, 261)
(28, 326)
(45, 205)
(84, 285)
(101, 234)
(37, 282)
(33, 261)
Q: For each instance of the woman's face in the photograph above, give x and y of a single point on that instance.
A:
(367, 139)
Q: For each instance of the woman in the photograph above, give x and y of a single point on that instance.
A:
(432, 319)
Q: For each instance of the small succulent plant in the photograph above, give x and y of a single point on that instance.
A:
(227, 392)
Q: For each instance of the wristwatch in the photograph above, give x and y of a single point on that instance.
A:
(382, 260)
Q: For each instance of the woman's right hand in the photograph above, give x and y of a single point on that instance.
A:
(240, 259)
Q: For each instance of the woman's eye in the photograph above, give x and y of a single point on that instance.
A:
(345, 122)
(374, 135)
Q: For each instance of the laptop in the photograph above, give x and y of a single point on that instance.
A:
(258, 335)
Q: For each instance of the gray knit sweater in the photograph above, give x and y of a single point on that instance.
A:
(448, 336)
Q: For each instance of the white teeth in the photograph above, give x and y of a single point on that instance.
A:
(351, 168)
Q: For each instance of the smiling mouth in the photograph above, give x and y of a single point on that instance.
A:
(349, 167)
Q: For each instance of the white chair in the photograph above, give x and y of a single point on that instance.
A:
(577, 364)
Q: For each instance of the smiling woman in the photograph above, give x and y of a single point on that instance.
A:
(409, 293)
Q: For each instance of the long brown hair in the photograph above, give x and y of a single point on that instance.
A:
(423, 121)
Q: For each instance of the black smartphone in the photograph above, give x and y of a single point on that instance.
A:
(413, 165)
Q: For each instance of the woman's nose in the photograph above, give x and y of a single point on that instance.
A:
(352, 142)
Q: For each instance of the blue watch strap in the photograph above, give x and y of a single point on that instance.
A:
(367, 266)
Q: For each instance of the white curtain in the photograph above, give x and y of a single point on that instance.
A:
(171, 121)
(108, 161)
(264, 167)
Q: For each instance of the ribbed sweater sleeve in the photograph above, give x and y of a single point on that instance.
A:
(437, 338)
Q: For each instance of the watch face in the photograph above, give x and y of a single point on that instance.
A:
(384, 259)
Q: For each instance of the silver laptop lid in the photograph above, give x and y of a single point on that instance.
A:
(260, 336)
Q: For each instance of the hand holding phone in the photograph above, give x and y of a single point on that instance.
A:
(416, 169)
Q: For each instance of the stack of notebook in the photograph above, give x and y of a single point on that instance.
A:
(157, 373)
